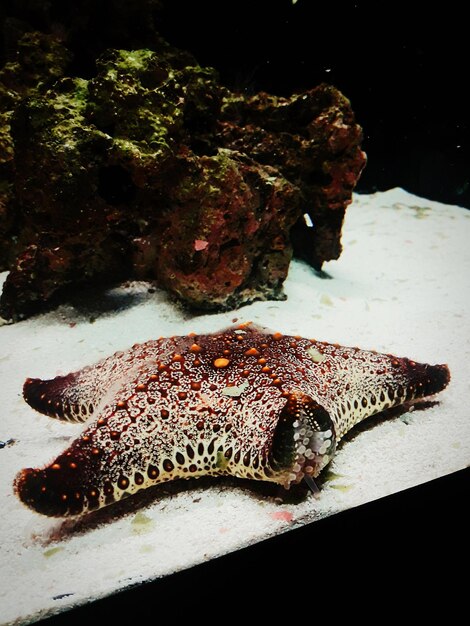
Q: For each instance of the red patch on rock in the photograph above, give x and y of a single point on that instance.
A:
(200, 244)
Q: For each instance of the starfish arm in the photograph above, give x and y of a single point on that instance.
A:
(77, 396)
(71, 398)
(354, 384)
(181, 416)
(128, 448)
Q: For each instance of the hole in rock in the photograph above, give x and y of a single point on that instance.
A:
(115, 185)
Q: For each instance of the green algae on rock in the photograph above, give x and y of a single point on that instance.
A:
(151, 169)
(40, 59)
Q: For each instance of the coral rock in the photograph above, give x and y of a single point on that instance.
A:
(120, 175)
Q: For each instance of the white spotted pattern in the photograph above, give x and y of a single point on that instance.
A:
(242, 402)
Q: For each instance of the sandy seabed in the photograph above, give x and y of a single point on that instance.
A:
(401, 286)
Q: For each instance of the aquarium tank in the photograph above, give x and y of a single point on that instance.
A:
(234, 336)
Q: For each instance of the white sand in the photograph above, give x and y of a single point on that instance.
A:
(402, 285)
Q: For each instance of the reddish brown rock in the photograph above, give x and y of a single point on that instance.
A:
(152, 170)
(313, 140)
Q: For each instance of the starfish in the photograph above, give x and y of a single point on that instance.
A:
(243, 402)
